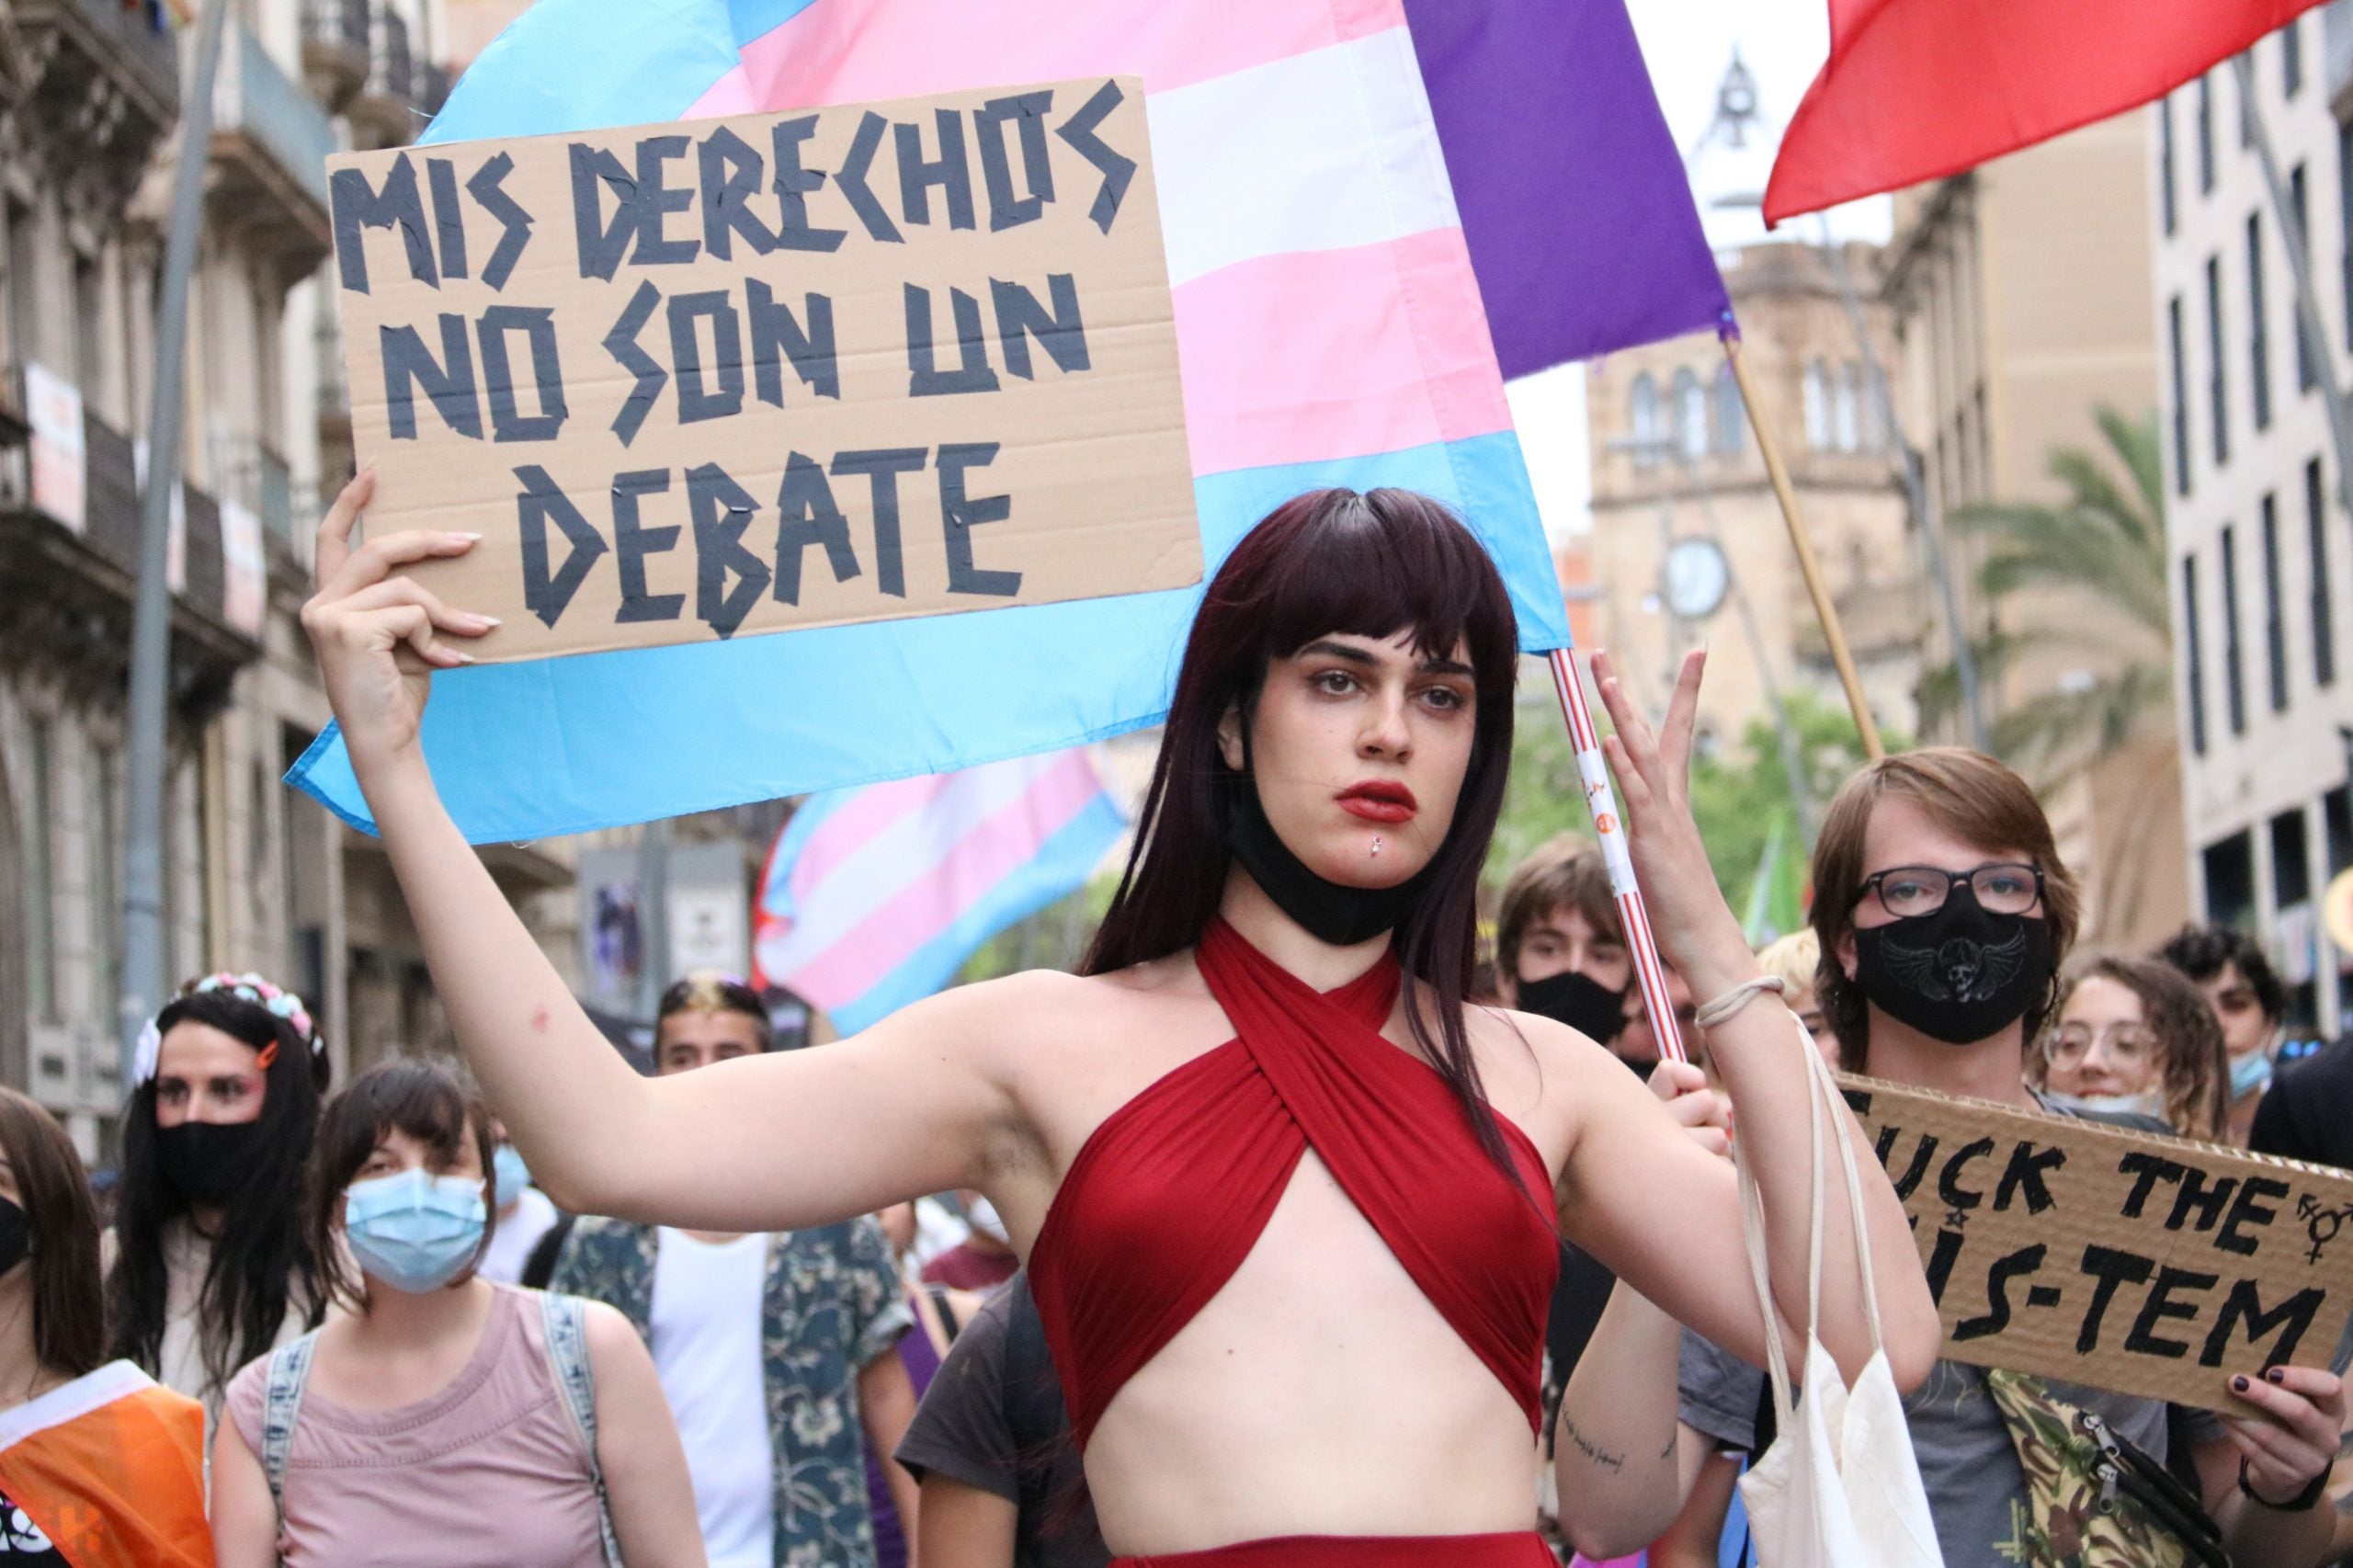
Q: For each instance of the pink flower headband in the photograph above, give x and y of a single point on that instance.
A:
(276, 1001)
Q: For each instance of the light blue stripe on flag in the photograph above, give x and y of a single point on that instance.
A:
(1061, 865)
(525, 751)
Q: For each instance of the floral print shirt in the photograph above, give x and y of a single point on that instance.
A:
(832, 1303)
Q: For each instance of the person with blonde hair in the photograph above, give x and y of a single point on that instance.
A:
(1797, 959)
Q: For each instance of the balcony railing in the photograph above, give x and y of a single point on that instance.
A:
(135, 37)
(254, 97)
(392, 74)
(336, 22)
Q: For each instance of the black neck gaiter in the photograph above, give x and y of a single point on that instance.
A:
(1579, 1001)
(1326, 910)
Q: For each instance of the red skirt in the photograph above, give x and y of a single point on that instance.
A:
(1518, 1549)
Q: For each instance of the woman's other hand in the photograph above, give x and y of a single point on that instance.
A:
(379, 634)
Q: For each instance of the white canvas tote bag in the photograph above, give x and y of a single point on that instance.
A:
(1839, 1488)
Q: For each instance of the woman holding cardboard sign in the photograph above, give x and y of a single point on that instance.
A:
(1264, 1111)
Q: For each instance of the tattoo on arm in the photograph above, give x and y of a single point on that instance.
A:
(1593, 1452)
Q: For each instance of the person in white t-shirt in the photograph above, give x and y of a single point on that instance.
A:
(525, 1214)
(777, 1351)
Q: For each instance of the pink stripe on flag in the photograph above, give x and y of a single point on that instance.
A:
(1337, 353)
(858, 821)
(847, 51)
(927, 905)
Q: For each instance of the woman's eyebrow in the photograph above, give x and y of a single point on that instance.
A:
(1337, 651)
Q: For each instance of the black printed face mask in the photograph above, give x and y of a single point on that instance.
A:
(1958, 974)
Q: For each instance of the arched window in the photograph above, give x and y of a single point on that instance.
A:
(1690, 415)
(1644, 409)
(1731, 415)
(1817, 406)
(1850, 409)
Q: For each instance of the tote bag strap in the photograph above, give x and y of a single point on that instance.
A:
(1819, 1072)
(1752, 1222)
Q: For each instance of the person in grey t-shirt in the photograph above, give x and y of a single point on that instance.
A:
(991, 1446)
(1944, 914)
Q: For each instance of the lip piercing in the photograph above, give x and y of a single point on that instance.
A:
(1376, 846)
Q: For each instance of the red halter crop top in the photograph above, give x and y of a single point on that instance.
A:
(1169, 1195)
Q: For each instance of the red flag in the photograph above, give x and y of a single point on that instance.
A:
(1916, 90)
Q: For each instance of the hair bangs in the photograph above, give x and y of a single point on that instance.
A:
(1385, 562)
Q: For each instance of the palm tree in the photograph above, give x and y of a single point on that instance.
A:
(2105, 542)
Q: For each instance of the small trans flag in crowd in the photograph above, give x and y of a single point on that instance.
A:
(1373, 211)
(875, 897)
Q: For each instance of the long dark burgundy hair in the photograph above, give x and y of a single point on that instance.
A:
(1332, 561)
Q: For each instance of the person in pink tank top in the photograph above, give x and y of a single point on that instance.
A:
(445, 1419)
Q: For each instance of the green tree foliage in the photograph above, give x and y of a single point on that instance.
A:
(2106, 541)
(1736, 796)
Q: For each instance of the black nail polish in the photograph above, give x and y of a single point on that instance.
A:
(2238, 1384)
(2275, 1376)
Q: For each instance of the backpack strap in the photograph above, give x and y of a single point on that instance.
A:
(563, 1324)
(288, 1375)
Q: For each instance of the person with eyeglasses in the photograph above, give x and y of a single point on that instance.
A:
(2135, 1040)
(1945, 915)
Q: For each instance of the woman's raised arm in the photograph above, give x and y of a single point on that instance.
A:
(773, 1143)
(1692, 1267)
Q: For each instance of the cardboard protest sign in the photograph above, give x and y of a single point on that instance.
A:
(2130, 1261)
(703, 380)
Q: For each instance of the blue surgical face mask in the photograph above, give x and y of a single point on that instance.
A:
(2149, 1102)
(511, 1172)
(414, 1230)
(2250, 1074)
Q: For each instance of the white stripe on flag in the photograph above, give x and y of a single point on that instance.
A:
(1323, 151)
(902, 854)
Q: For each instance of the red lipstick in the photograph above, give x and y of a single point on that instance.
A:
(1380, 799)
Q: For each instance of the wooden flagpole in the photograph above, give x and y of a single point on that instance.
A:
(1801, 541)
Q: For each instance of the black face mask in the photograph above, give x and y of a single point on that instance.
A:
(207, 1162)
(1579, 1001)
(1958, 975)
(15, 1235)
(1327, 910)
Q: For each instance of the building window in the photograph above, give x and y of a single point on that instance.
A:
(1848, 411)
(2299, 208)
(2323, 606)
(1690, 415)
(2206, 134)
(2165, 165)
(89, 326)
(2178, 351)
(1643, 411)
(2193, 674)
(1732, 415)
(2291, 870)
(23, 284)
(2344, 220)
(2260, 339)
(2234, 654)
(2247, 107)
(2218, 390)
(2275, 612)
(40, 874)
(2291, 57)
(106, 879)
(1817, 406)
(2230, 882)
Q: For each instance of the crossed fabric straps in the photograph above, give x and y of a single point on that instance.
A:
(1175, 1189)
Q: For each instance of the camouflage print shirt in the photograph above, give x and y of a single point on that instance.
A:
(832, 1303)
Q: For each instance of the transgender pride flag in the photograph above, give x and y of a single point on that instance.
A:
(1374, 210)
(873, 897)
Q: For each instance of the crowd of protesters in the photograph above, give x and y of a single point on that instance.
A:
(317, 1295)
(356, 1328)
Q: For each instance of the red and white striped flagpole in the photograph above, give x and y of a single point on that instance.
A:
(1609, 828)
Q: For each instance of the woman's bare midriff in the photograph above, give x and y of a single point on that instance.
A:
(1319, 1393)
